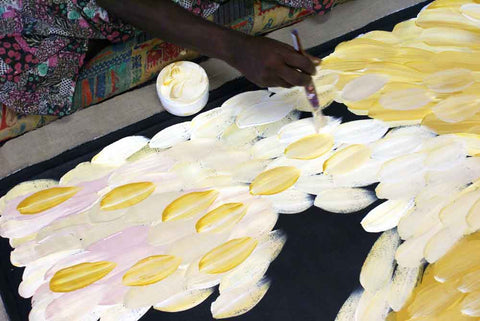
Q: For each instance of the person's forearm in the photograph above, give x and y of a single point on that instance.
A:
(172, 23)
(264, 61)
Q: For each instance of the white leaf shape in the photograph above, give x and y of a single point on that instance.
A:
(239, 301)
(386, 215)
(363, 87)
(171, 135)
(377, 270)
(117, 153)
(344, 200)
(266, 112)
(360, 131)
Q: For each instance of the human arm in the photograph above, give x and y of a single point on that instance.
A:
(264, 61)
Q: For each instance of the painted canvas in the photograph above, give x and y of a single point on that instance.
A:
(164, 223)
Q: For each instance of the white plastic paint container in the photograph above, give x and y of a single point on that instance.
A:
(183, 88)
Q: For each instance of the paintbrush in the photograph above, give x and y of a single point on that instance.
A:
(318, 118)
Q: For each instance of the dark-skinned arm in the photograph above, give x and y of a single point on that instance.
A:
(264, 61)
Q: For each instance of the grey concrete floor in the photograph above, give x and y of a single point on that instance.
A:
(116, 113)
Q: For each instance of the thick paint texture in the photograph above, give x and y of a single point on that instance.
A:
(162, 222)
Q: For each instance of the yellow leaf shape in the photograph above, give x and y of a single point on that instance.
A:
(458, 260)
(448, 313)
(450, 80)
(471, 125)
(453, 4)
(364, 47)
(407, 30)
(473, 89)
(423, 66)
(447, 59)
(433, 298)
(46, 199)
(227, 256)
(333, 63)
(347, 159)
(441, 36)
(399, 117)
(80, 275)
(445, 17)
(410, 55)
(126, 195)
(361, 107)
(431, 301)
(457, 108)
(400, 96)
(455, 313)
(189, 205)
(310, 147)
(151, 270)
(275, 180)
(394, 72)
(470, 282)
(221, 218)
(382, 36)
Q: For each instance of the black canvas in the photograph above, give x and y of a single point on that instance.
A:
(320, 263)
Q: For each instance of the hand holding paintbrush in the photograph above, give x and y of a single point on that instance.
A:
(318, 118)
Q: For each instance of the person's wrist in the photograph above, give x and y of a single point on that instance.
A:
(232, 42)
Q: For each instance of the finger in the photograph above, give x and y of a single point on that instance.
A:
(277, 82)
(301, 62)
(316, 61)
(282, 83)
(293, 76)
(271, 82)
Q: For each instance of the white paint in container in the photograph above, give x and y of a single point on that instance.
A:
(183, 88)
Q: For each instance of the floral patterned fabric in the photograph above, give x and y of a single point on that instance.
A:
(319, 6)
(42, 48)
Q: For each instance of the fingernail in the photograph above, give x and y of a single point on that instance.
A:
(316, 61)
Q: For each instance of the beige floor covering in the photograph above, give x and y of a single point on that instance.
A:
(136, 105)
